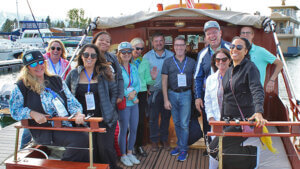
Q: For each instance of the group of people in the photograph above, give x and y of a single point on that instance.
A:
(226, 82)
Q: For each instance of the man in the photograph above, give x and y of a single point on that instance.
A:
(177, 80)
(156, 58)
(213, 38)
(261, 58)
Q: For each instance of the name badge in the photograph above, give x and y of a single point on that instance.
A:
(59, 107)
(90, 101)
(130, 89)
(181, 78)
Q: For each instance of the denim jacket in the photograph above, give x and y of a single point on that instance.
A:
(107, 91)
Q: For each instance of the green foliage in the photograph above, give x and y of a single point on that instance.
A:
(48, 20)
(7, 26)
(76, 18)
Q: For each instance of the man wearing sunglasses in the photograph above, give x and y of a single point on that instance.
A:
(261, 57)
(213, 36)
(156, 58)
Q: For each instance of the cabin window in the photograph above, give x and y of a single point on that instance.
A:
(169, 42)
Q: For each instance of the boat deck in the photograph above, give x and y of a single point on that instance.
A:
(163, 160)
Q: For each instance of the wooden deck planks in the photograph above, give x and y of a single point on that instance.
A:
(163, 160)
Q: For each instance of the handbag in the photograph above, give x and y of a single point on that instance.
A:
(122, 104)
(245, 128)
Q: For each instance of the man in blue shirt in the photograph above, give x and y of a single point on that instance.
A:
(213, 36)
(261, 58)
(156, 58)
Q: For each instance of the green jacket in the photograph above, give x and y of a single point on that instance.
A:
(145, 76)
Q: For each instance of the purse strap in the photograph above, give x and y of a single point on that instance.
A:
(230, 82)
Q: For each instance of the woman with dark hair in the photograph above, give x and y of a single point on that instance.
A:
(243, 99)
(103, 40)
(38, 94)
(93, 85)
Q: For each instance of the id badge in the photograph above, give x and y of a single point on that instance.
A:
(90, 101)
(60, 108)
(130, 89)
(181, 78)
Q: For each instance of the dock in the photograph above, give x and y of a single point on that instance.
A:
(7, 143)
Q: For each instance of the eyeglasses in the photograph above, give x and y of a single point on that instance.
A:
(57, 48)
(137, 48)
(221, 59)
(86, 55)
(179, 45)
(126, 51)
(246, 33)
(33, 65)
(238, 47)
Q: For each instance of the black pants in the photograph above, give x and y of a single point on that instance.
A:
(104, 142)
(76, 144)
(235, 156)
(142, 111)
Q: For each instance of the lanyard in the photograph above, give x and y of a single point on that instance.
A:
(160, 57)
(51, 91)
(54, 66)
(181, 71)
(129, 76)
(89, 79)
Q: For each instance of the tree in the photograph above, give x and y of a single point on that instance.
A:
(62, 24)
(7, 26)
(48, 20)
(76, 18)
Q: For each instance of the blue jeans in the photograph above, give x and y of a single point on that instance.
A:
(129, 117)
(181, 113)
(156, 106)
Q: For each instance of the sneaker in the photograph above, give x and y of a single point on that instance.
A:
(125, 160)
(175, 151)
(133, 159)
(182, 156)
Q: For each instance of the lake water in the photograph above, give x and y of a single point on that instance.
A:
(293, 65)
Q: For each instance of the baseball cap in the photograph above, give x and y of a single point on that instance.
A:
(211, 24)
(31, 57)
(124, 45)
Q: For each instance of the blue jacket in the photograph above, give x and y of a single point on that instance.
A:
(203, 69)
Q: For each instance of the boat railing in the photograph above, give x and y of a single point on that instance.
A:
(293, 130)
(57, 125)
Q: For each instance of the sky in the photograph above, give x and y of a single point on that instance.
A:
(57, 9)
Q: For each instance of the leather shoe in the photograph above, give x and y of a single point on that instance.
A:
(154, 147)
(166, 145)
(141, 151)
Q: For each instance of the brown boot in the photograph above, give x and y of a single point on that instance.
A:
(154, 146)
(166, 145)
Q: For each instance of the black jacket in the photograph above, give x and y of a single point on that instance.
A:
(107, 92)
(247, 89)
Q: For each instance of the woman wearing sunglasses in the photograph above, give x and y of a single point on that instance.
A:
(93, 85)
(129, 117)
(243, 99)
(37, 93)
(56, 57)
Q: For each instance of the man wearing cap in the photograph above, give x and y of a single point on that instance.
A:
(156, 58)
(203, 69)
(261, 58)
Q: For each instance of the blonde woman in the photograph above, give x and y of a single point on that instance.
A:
(56, 57)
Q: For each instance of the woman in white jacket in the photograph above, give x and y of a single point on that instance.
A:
(214, 90)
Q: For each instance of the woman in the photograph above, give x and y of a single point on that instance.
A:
(103, 40)
(243, 97)
(146, 78)
(56, 57)
(37, 94)
(93, 85)
(214, 90)
(130, 115)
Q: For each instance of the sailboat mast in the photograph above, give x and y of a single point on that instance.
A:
(18, 19)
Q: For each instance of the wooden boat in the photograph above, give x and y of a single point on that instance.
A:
(190, 22)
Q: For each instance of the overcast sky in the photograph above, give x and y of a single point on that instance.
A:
(58, 8)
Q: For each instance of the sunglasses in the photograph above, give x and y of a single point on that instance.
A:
(246, 33)
(126, 51)
(137, 48)
(33, 65)
(57, 48)
(221, 59)
(86, 55)
(238, 47)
